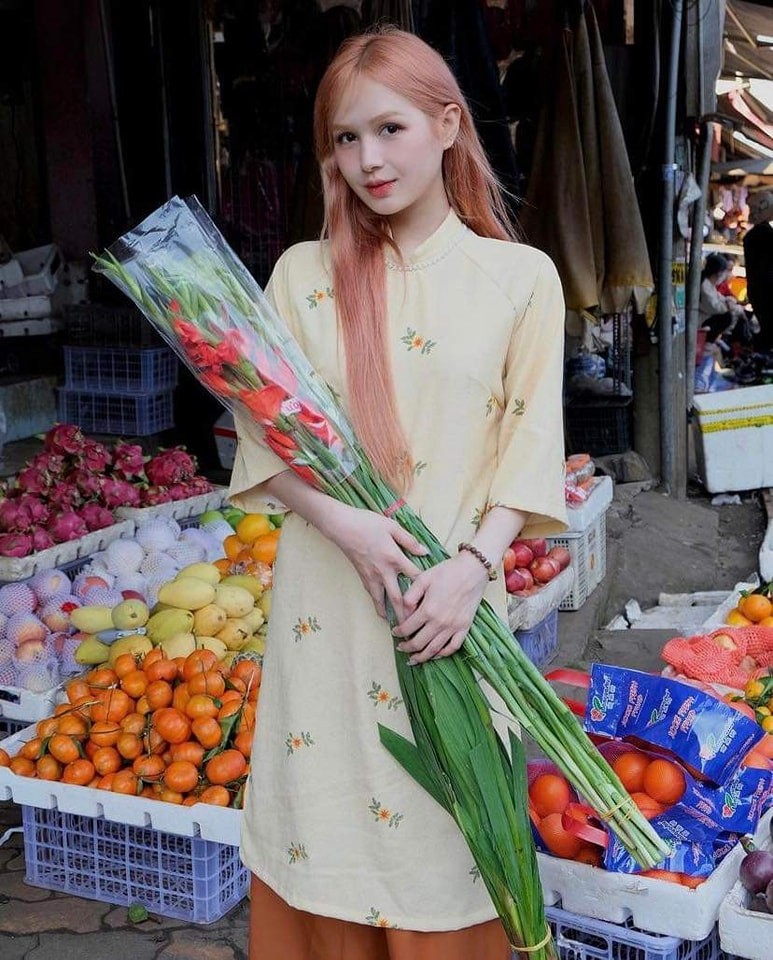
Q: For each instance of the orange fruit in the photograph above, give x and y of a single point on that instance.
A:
(209, 682)
(163, 669)
(217, 795)
(225, 767)
(188, 750)
(47, 727)
(223, 565)
(124, 664)
(252, 526)
(755, 607)
(63, 748)
(590, 855)
(22, 767)
(73, 726)
(736, 619)
(207, 731)
(630, 767)
(79, 771)
(105, 733)
(264, 549)
(76, 689)
(766, 622)
(48, 768)
(125, 781)
(233, 546)
(131, 723)
(664, 782)
(668, 875)
(560, 842)
(129, 746)
(107, 760)
(181, 776)
(757, 760)
(649, 807)
(135, 683)
(549, 793)
(159, 694)
(5, 758)
(149, 767)
(692, 882)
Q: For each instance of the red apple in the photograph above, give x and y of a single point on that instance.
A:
(523, 555)
(538, 547)
(562, 555)
(508, 560)
(132, 595)
(30, 650)
(526, 574)
(514, 581)
(543, 570)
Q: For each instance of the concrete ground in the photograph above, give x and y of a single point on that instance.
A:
(653, 545)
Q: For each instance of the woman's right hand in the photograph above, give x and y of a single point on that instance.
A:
(374, 545)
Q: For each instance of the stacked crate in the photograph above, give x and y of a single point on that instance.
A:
(119, 378)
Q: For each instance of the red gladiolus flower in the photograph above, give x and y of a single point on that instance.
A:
(281, 443)
(213, 380)
(265, 405)
(233, 347)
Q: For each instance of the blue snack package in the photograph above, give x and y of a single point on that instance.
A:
(702, 731)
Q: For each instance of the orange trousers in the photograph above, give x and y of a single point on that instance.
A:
(280, 932)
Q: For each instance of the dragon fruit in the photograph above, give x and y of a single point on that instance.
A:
(170, 466)
(15, 545)
(64, 495)
(52, 464)
(48, 584)
(67, 525)
(17, 598)
(38, 510)
(96, 517)
(15, 517)
(64, 438)
(88, 482)
(153, 496)
(41, 539)
(95, 456)
(33, 480)
(128, 461)
(123, 555)
(119, 493)
(24, 627)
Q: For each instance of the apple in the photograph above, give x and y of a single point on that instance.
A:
(508, 560)
(515, 581)
(132, 595)
(526, 574)
(562, 555)
(543, 570)
(210, 516)
(538, 547)
(523, 554)
(31, 651)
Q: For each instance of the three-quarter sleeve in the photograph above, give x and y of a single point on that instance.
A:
(254, 462)
(530, 453)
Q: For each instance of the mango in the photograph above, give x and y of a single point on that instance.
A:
(235, 633)
(236, 601)
(207, 572)
(213, 644)
(137, 645)
(254, 645)
(209, 620)
(130, 614)
(254, 619)
(265, 603)
(166, 623)
(92, 619)
(245, 581)
(179, 645)
(190, 593)
(91, 652)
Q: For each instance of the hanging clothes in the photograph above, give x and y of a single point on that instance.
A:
(581, 203)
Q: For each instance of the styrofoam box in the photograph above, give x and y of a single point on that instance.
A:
(743, 932)
(178, 509)
(734, 439)
(523, 613)
(19, 704)
(583, 515)
(654, 905)
(210, 822)
(40, 269)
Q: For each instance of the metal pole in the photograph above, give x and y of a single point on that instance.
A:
(110, 70)
(665, 284)
(692, 293)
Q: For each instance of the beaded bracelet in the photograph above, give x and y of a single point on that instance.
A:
(492, 574)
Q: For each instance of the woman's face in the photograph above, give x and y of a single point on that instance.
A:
(389, 152)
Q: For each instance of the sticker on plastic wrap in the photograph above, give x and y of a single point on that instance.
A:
(704, 825)
(702, 731)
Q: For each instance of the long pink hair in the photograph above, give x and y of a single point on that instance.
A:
(407, 65)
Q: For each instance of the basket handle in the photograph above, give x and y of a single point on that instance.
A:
(574, 678)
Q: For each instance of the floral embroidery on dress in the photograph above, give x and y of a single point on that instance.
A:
(304, 627)
(477, 517)
(317, 296)
(475, 874)
(519, 407)
(415, 341)
(418, 467)
(295, 741)
(379, 696)
(375, 919)
(384, 814)
(492, 404)
(297, 852)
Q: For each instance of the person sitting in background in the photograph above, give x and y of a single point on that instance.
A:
(719, 313)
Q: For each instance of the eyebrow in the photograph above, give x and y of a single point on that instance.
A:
(389, 114)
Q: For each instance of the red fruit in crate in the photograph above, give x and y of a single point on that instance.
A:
(543, 570)
(526, 574)
(560, 554)
(549, 793)
(523, 554)
(538, 547)
(508, 560)
(515, 581)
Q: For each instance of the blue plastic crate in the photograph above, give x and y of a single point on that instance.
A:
(182, 877)
(120, 369)
(540, 643)
(121, 415)
(580, 938)
(9, 727)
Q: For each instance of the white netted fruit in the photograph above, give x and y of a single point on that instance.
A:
(37, 677)
(137, 582)
(17, 598)
(185, 553)
(124, 555)
(23, 627)
(7, 650)
(219, 529)
(155, 535)
(100, 597)
(8, 675)
(48, 584)
(158, 564)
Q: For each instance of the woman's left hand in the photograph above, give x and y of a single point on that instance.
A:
(441, 604)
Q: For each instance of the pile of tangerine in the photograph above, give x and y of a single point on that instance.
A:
(178, 730)
(251, 549)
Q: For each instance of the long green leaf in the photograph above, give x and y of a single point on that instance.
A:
(410, 760)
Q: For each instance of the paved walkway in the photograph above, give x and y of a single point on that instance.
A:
(653, 544)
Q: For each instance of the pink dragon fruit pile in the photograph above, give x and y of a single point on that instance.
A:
(73, 486)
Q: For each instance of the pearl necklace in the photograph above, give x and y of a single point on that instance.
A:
(413, 267)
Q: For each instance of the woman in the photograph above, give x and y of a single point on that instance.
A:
(444, 341)
(718, 312)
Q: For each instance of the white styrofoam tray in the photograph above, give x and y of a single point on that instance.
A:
(206, 820)
(523, 613)
(19, 704)
(583, 515)
(657, 906)
(178, 509)
(20, 568)
(743, 932)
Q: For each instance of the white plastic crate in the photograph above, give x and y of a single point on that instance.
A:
(25, 706)
(588, 552)
(743, 932)
(650, 904)
(39, 273)
(733, 434)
